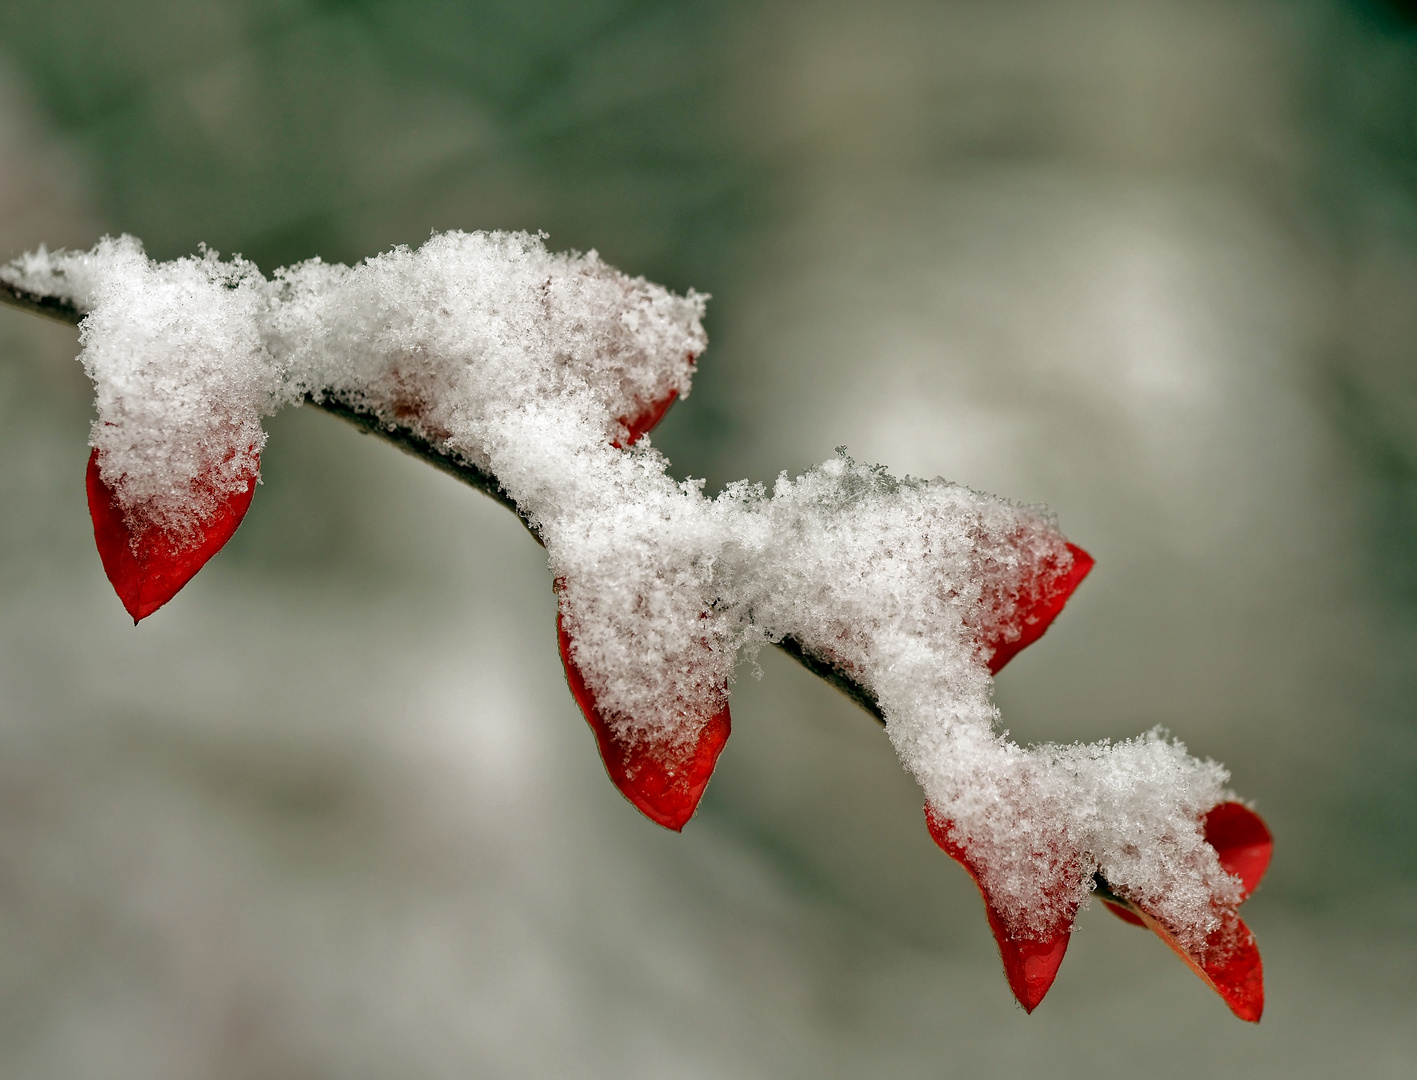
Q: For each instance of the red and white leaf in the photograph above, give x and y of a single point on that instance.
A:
(147, 568)
(1050, 593)
(663, 777)
(1031, 960)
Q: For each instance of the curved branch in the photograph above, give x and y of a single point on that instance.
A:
(410, 442)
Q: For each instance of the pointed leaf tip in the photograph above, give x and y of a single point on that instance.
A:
(1030, 963)
(1228, 961)
(1034, 620)
(663, 781)
(148, 570)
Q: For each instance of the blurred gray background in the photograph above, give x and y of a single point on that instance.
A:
(333, 813)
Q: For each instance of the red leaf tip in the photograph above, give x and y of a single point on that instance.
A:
(1030, 962)
(1034, 620)
(644, 421)
(1228, 961)
(149, 569)
(664, 782)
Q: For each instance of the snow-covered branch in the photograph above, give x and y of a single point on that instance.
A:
(535, 378)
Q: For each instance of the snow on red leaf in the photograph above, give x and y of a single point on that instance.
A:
(148, 570)
(1030, 963)
(1229, 960)
(1034, 619)
(1241, 840)
(663, 780)
(651, 413)
(643, 422)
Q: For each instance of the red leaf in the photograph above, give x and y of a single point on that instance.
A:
(643, 422)
(1242, 841)
(149, 570)
(1033, 620)
(1228, 961)
(1030, 963)
(662, 779)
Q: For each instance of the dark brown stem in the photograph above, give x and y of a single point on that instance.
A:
(834, 675)
(51, 307)
(410, 442)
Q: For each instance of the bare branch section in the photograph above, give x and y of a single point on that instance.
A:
(51, 307)
(967, 579)
(407, 440)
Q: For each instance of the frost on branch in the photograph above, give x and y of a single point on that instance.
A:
(543, 371)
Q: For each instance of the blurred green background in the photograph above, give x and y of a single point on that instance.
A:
(332, 813)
